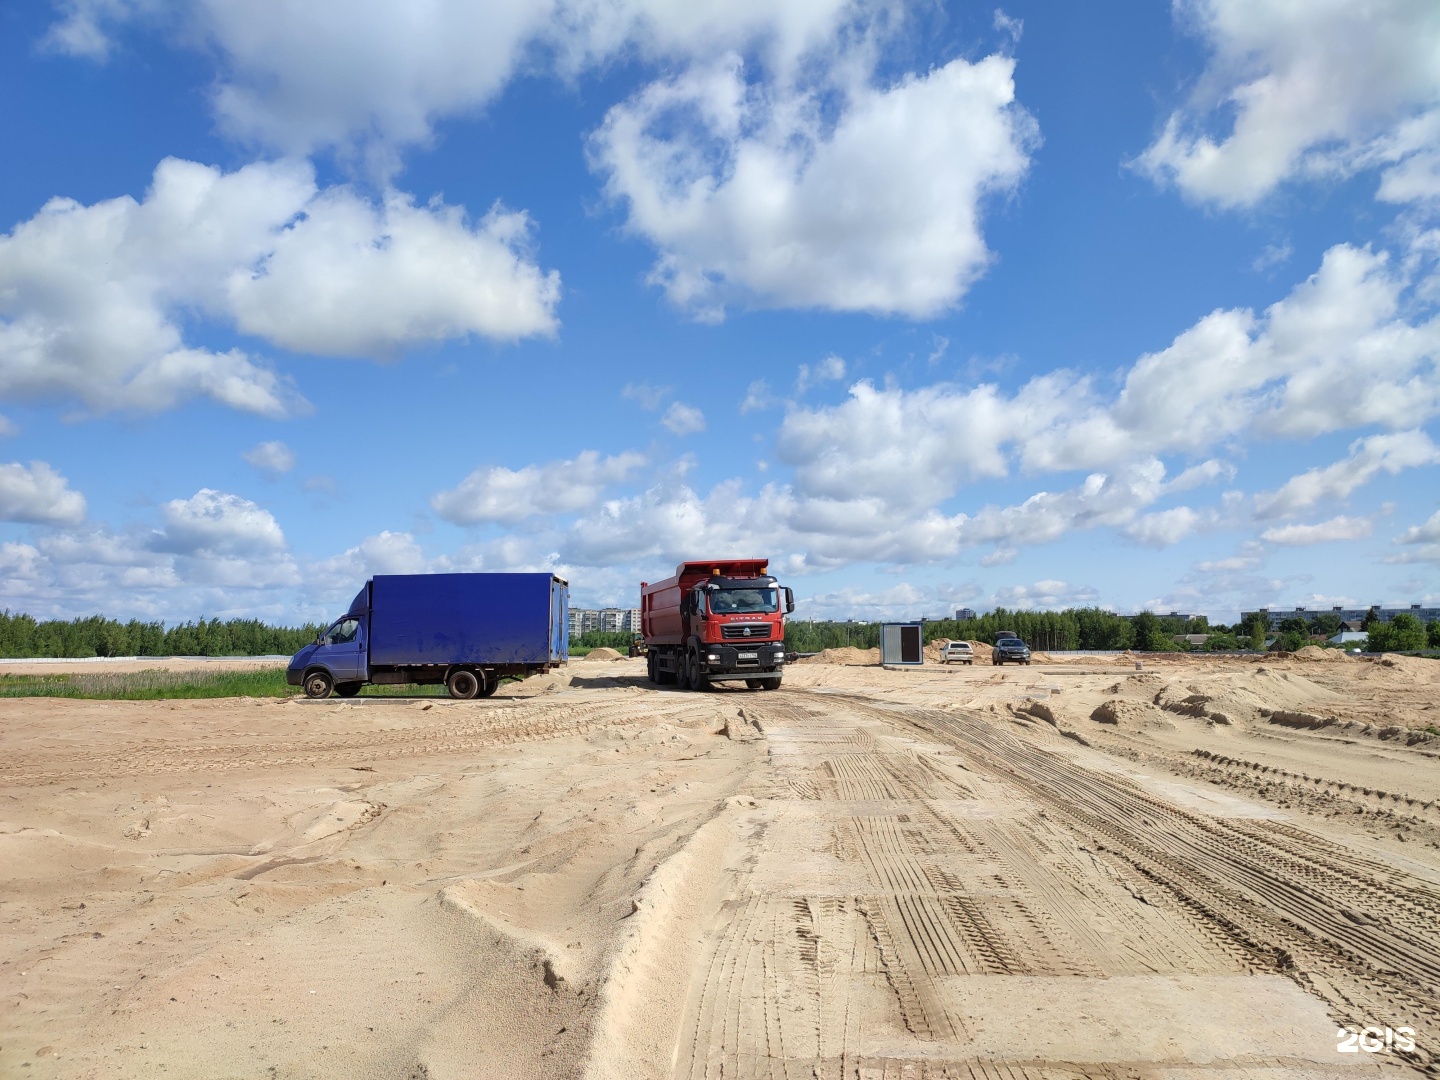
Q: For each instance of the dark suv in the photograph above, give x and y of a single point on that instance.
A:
(1011, 650)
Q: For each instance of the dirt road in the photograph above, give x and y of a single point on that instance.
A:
(867, 874)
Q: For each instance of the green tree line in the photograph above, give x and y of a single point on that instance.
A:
(1073, 628)
(24, 636)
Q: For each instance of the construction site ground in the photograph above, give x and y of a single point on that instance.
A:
(1202, 869)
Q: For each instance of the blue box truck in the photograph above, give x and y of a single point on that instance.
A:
(467, 631)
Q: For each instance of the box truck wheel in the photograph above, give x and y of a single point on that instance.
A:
(318, 684)
(462, 683)
(488, 686)
(348, 689)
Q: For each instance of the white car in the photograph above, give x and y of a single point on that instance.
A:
(957, 652)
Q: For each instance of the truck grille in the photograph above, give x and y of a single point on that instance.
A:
(751, 631)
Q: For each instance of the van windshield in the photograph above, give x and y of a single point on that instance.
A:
(744, 601)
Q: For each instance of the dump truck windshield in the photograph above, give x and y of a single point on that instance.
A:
(744, 601)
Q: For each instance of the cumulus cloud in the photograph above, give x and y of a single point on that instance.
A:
(39, 495)
(214, 522)
(1337, 352)
(369, 80)
(93, 298)
(646, 396)
(683, 419)
(384, 553)
(758, 396)
(498, 494)
(1325, 87)
(1051, 593)
(786, 195)
(1166, 527)
(831, 369)
(1337, 528)
(1423, 540)
(272, 457)
(1368, 457)
(352, 278)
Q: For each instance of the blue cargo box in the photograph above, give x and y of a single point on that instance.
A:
(448, 619)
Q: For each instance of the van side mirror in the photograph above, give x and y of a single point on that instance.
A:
(789, 601)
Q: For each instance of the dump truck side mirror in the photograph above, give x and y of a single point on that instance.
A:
(789, 601)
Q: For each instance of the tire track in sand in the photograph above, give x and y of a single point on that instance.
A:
(879, 887)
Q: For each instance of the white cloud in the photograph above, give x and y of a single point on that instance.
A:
(1166, 527)
(1336, 353)
(831, 369)
(779, 194)
(912, 448)
(498, 494)
(1423, 538)
(370, 79)
(8, 427)
(351, 278)
(1337, 528)
(214, 522)
(384, 553)
(1207, 472)
(38, 495)
(1046, 594)
(92, 298)
(646, 396)
(758, 396)
(1368, 457)
(683, 419)
(272, 457)
(1324, 87)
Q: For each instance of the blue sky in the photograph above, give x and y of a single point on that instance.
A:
(934, 306)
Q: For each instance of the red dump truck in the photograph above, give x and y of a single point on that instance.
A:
(716, 620)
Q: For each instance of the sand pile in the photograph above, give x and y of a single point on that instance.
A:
(1313, 653)
(847, 655)
(602, 653)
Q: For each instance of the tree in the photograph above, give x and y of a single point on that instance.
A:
(1327, 624)
(1257, 635)
(1294, 633)
(1403, 633)
(1150, 635)
(1432, 634)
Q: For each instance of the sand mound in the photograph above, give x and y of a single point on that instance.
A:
(1313, 653)
(847, 655)
(1130, 714)
(602, 653)
(1416, 667)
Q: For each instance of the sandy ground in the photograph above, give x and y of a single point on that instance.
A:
(1063, 870)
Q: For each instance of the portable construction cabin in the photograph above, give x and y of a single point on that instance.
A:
(902, 643)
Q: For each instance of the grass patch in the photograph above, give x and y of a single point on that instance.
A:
(154, 684)
(157, 684)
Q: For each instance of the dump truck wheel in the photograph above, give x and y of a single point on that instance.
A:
(463, 684)
(650, 669)
(769, 684)
(695, 677)
(318, 685)
(348, 689)
(756, 684)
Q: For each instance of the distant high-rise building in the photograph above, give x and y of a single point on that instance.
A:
(606, 620)
(964, 614)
